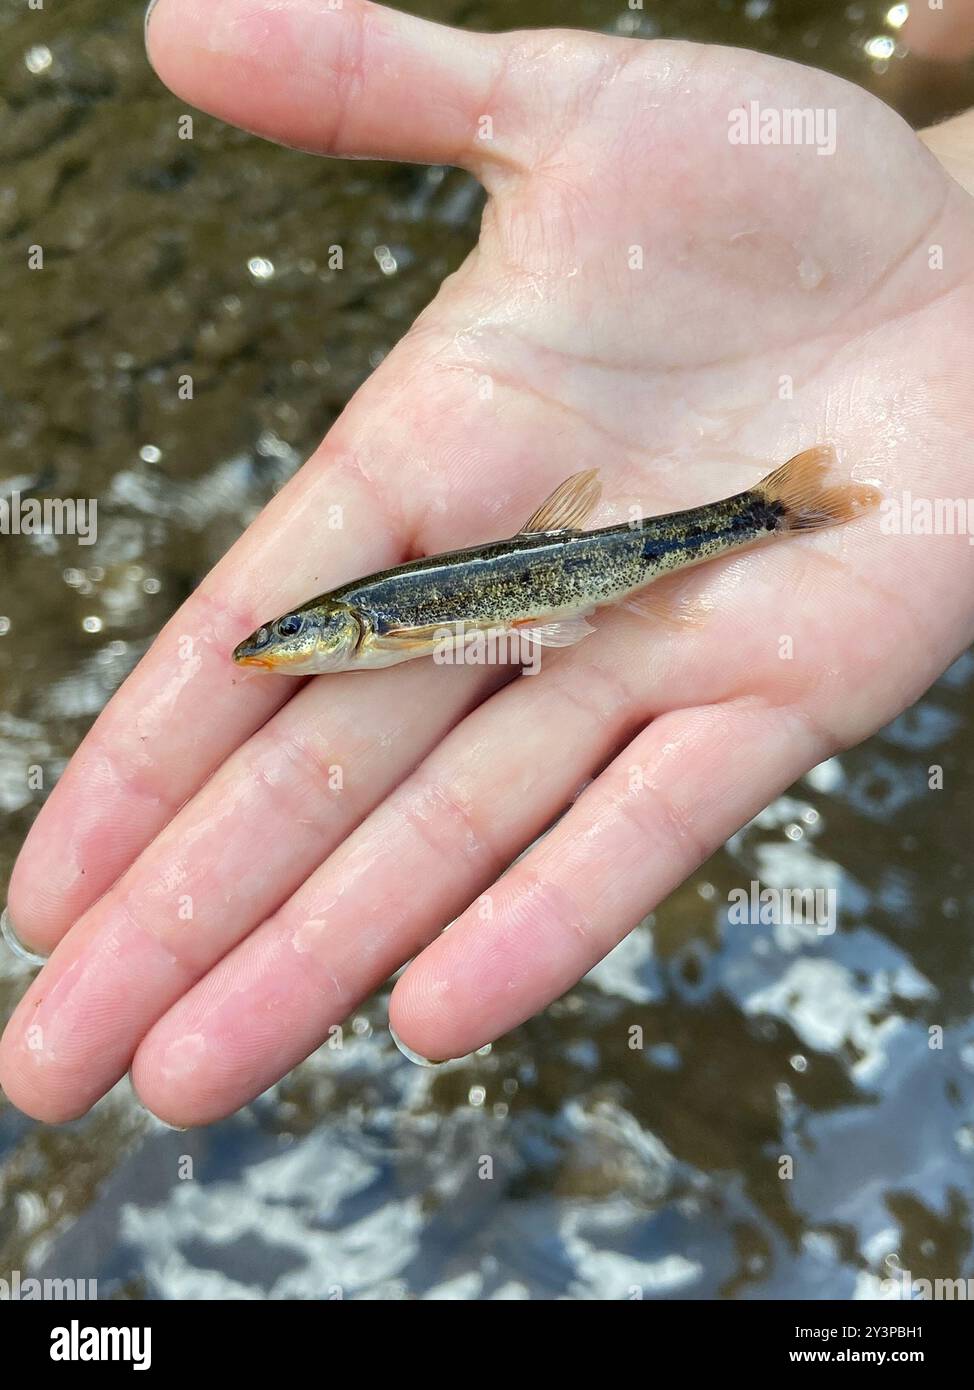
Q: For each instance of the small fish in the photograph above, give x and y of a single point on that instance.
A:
(542, 582)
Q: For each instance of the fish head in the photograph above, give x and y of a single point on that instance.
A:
(305, 642)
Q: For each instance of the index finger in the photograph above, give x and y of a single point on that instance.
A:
(351, 79)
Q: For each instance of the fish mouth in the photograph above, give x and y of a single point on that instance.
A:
(246, 659)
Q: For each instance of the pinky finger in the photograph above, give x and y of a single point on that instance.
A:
(658, 811)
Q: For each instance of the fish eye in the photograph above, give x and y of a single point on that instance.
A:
(289, 626)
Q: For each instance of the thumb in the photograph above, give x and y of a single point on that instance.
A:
(341, 77)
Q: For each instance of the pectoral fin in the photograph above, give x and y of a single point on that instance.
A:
(565, 632)
(403, 639)
(568, 506)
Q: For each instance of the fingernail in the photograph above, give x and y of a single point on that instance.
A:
(409, 1053)
(148, 15)
(15, 943)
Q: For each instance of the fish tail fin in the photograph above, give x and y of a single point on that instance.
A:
(803, 503)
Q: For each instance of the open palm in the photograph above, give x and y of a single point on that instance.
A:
(232, 861)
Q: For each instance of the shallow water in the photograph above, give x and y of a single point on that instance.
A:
(614, 1168)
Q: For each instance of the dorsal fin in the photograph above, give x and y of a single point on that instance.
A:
(568, 506)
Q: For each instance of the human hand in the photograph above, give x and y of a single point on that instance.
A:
(760, 265)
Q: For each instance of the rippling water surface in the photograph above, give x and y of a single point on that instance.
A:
(615, 1168)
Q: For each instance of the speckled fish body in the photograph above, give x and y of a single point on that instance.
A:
(543, 574)
(541, 582)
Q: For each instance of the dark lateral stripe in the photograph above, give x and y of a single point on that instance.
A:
(753, 517)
